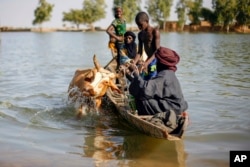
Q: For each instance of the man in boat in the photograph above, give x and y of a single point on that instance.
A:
(130, 48)
(161, 95)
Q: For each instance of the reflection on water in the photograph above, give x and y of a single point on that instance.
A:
(135, 150)
(39, 128)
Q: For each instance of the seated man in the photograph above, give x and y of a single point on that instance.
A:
(162, 95)
(130, 48)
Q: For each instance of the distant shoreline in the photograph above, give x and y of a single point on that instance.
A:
(186, 29)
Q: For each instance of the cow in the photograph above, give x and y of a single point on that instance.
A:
(88, 86)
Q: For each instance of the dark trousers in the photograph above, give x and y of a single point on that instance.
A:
(119, 46)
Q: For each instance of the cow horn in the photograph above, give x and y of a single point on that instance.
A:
(96, 63)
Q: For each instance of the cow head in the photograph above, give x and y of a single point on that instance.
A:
(91, 84)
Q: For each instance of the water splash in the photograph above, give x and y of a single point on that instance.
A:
(83, 104)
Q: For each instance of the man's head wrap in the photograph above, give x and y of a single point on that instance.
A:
(167, 57)
(130, 33)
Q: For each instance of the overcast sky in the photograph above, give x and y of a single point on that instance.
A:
(20, 13)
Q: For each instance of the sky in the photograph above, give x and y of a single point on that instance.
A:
(20, 13)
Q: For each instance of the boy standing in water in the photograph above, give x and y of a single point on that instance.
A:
(116, 31)
(149, 39)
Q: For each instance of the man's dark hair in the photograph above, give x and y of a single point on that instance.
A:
(141, 16)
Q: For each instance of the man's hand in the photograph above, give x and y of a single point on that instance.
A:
(120, 38)
(133, 69)
(142, 66)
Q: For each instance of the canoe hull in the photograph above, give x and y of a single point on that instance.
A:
(141, 123)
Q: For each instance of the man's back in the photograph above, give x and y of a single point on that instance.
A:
(159, 94)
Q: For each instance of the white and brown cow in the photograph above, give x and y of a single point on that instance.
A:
(90, 85)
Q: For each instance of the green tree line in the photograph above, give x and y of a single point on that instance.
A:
(223, 13)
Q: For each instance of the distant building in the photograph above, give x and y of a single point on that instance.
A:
(171, 26)
(205, 24)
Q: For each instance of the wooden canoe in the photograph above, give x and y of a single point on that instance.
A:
(120, 101)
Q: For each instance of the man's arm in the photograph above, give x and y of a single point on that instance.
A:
(139, 53)
(110, 30)
(156, 34)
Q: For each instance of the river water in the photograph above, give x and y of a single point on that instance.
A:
(38, 127)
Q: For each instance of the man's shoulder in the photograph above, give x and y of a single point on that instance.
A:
(114, 21)
(141, 34)
(155, 30)
(166, 73)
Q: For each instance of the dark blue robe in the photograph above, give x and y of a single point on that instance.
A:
(160, 94)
